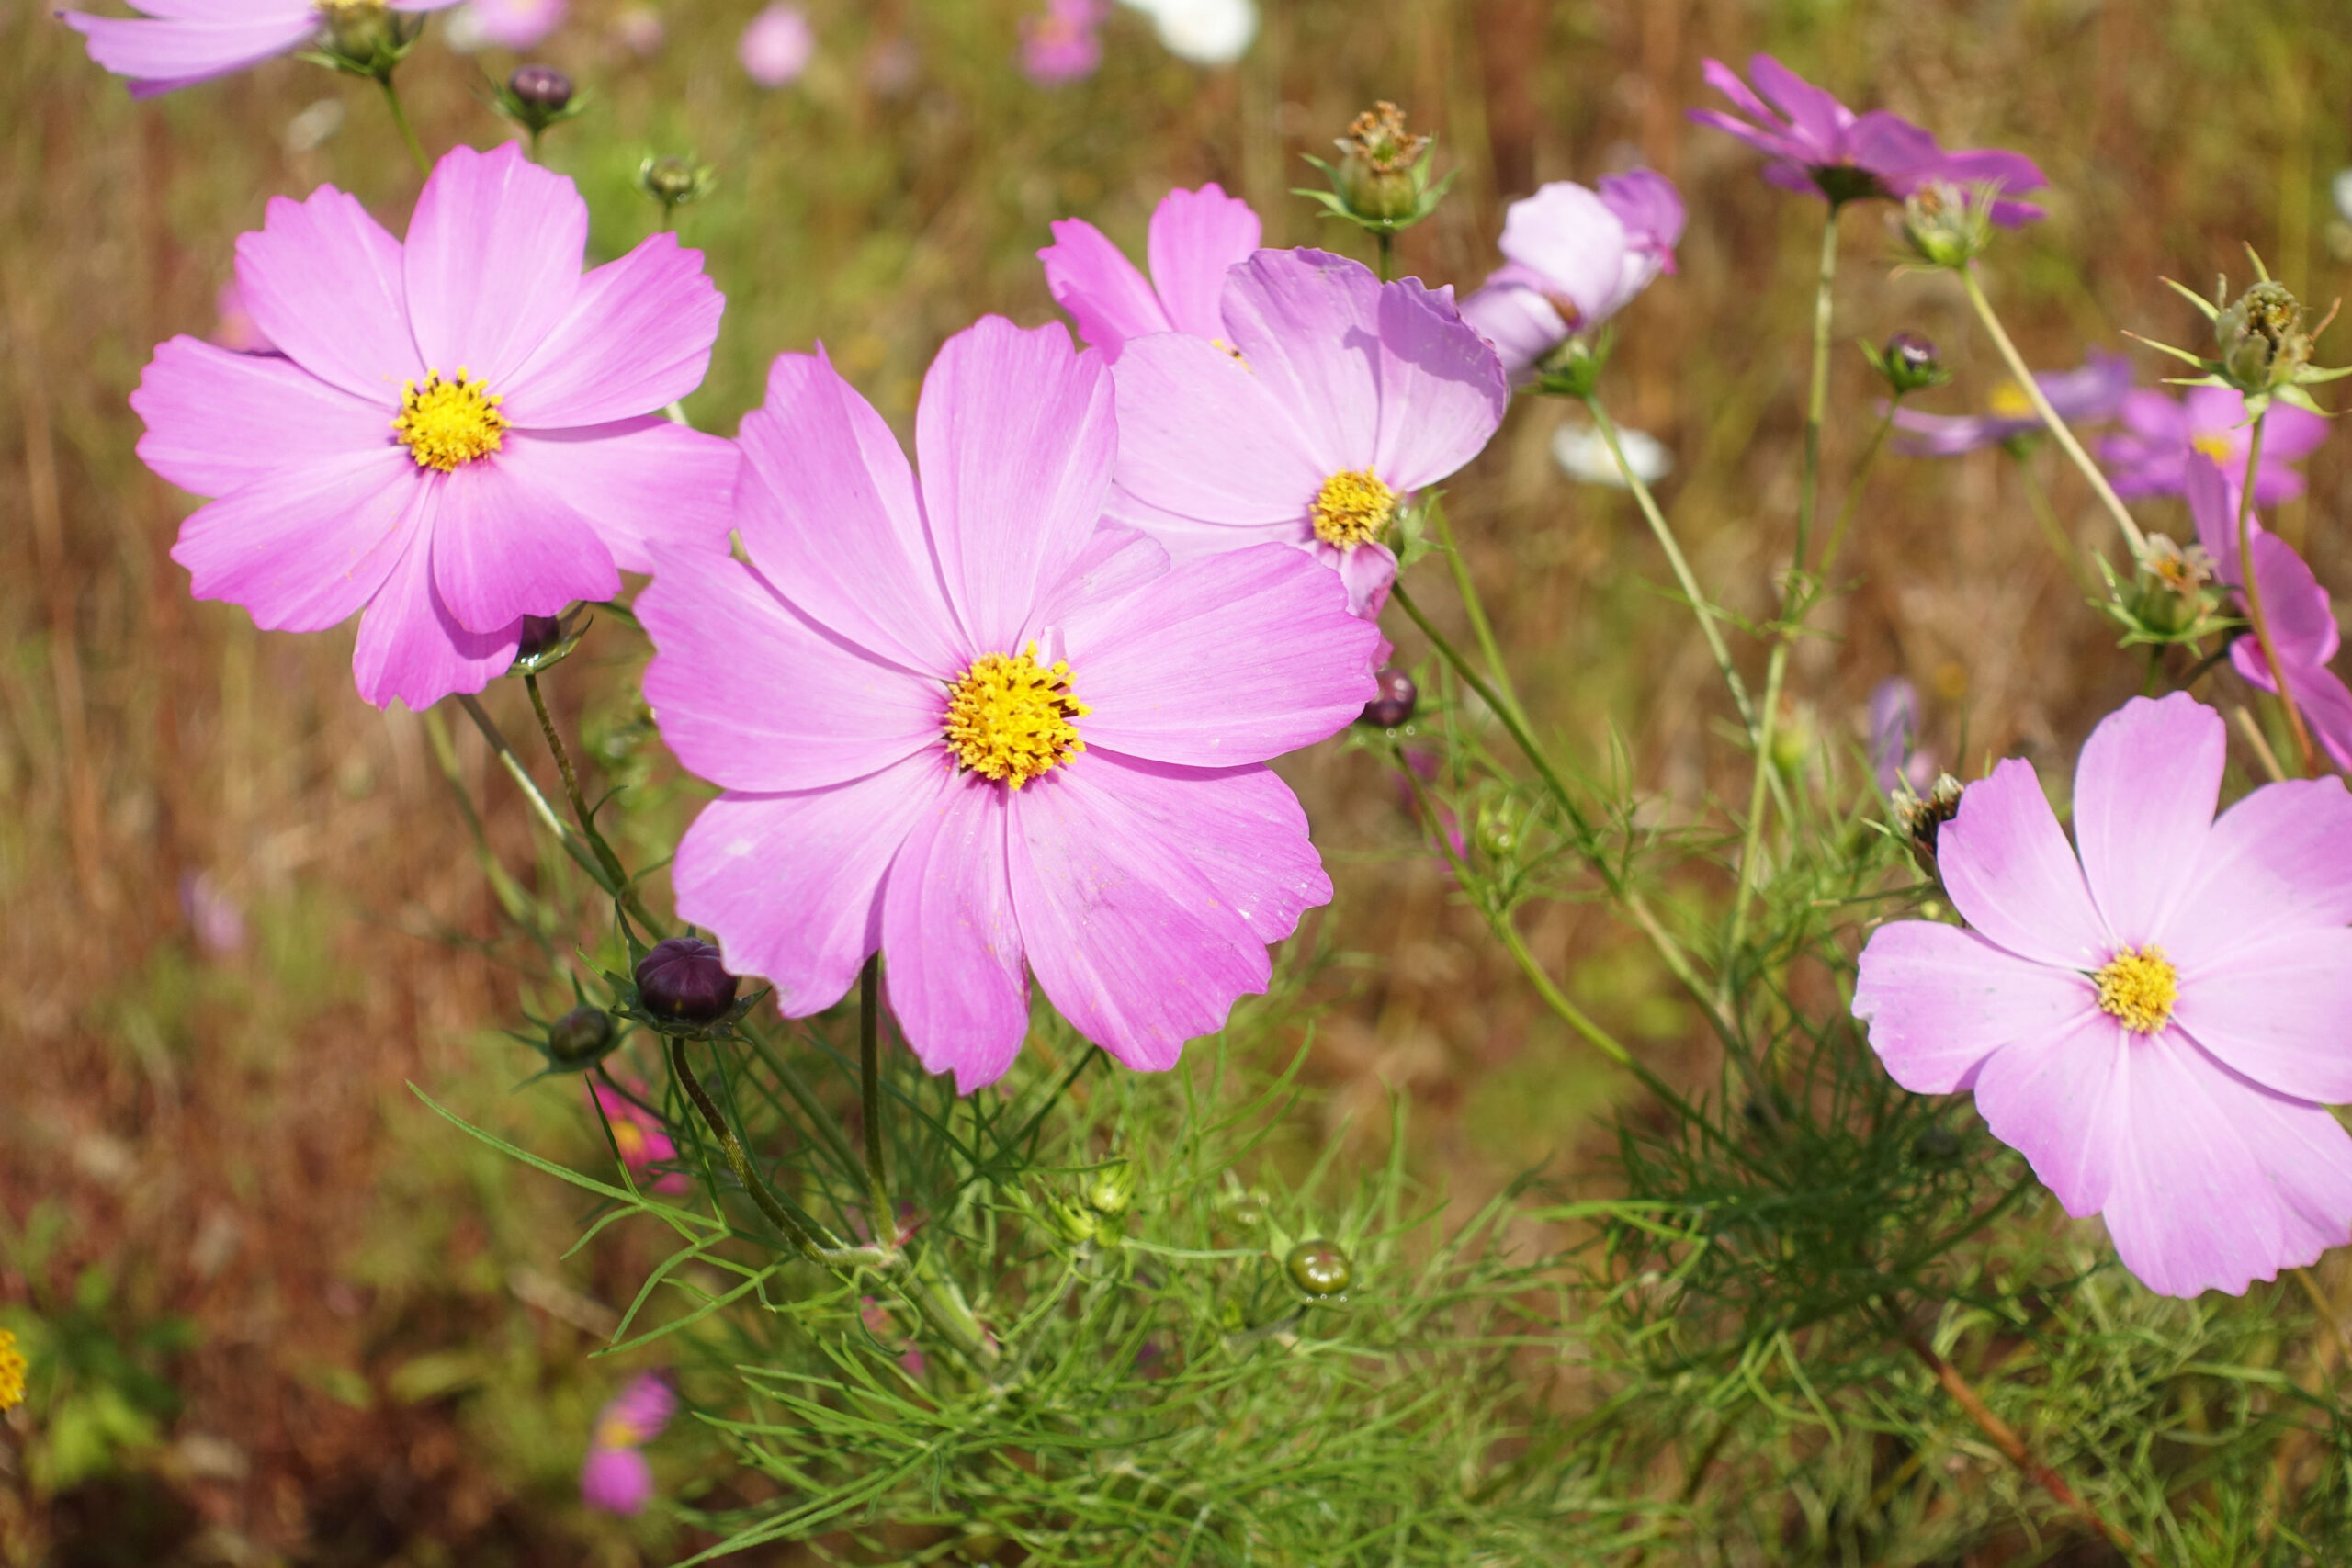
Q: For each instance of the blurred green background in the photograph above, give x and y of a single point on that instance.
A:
(277, 1313)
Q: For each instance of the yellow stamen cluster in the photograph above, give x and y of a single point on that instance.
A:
(1352, 508)
(2139, 986)
(628, 1141)
(2008, 401)
(2213, 445)
(447, 423)
(12, 1371)
(1009, 717)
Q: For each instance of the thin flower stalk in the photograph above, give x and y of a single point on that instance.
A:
(614, 886)
(883, 1218)
(408, 131)
(616, 874)
(2254, 600)
(1473, 607)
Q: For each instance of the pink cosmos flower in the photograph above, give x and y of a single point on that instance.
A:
(2092, 391)
(2300, 616)
(2158, 1026)
(2151, 454)
(508, 24)
(181, 43)
(459, 433)
(959, 722)
(1896, 761)
(616, 1478)
(1196, 237)
(640, 1139)
(1338, 398)
(1816, 144)
(232, 324)
(1061, 44)
(1575, 258)
(778, 45)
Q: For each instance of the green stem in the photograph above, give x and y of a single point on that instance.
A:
(2252, 588)
(1683, 576)
(1488, 649)
(606, 854)
(565, 834)
(1817, 408)
(731, 1149)
(400, 120)
(1862, 466)
(2065, 437)
(1387, 252)
(2045, 515)
(869, 1059)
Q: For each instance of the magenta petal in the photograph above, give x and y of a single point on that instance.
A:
(752, 697)
(2327, 708)
(1442, 390)
(1102, 291)
(1940, 1000)
(2064, 1101)
(410, 646)
(826, 504)
(492, 261)
(952, 945)
(642, 483)
(1517, 322)
(322, 281)
(1118, 560)
(1182, 400)
(305, 548)
(791, 884)
(1131, 943)
(1812, 110)
(217, 420)
(1310, 326)
(1197, 238)
(1727, 81)
(638, 337)
(1571, 238)
(1242, 828)
(502, 549)
(2012, 877)
(1232, 659)
(159, 54)
(2279, 1010)
(1367, 571)
(2217, 1183)
(2144, 791)
(1014, 443)
(2290, 434)
(616, 1481)
(2279, 861)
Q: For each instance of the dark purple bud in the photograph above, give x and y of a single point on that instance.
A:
(1319, 1268)
(580, 1036)
(682, 978)
(542, 87)
(1394, 705)
(540, 633)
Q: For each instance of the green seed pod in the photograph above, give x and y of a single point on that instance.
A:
(1319, 1268)
(2261, 338)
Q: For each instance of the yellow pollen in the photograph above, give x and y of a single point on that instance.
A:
(617, 1432)
(2008, 401)
(2214, 446)
(447, 423)
(12, 1372)
(629, 1140)
(2139, 986)
(1009, 717)
(1352, 507)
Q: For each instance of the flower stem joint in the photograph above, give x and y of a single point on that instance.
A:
(682, 988)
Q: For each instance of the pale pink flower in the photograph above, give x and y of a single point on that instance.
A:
(778, 45)
(181, 43)
(1060, 44)
(1575, 258)
(960, 722)
(2159, 1025)
(507, 24)
(1196, 238)
(453, 434)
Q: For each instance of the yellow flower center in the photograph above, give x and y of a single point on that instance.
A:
(2214, 446)
(1009, 717)
(1352, 507)
(447, 423)
(12, 1372)
(2139, 986)
(629, 1140)
(617, 1432)
(2008, 401)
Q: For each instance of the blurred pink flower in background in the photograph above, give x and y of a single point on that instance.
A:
(616, 1478)
(462, 430)
(504, 24)
(2152, 1016)
(1196, 237)
(638, 29)
(2150, 455)
(1061, 44)
(778, 45)
(640, 1137)
(2092, 391)
(187, 41)
(1575, 258)
(212, 915)
(233, 327)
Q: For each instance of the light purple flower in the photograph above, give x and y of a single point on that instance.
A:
(2094, 391)
(778, 45)
(1060, 43)
(2300, 616)
(1817, 144)
(212, 915)
(455, 434)
(1896, 761)
(181, 43)
(1338, 398)
(616, 1478)
(1576, 257)
(960, 722)
(1196, 238)
(2157, 1027)
(2150, 455)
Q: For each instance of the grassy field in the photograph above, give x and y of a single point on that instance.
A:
(293, 1317)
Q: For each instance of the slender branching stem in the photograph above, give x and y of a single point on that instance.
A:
(1481, 627)
(1816, 406)
(2057, 426)
(1846, 510)
(400, 121)
(605, 853)
(616, 887)
(869, 1060)
(730, 1147)
(2251, 581)
(2045, 515)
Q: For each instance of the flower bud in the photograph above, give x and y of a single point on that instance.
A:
(682, 978)
(1079, 1223)
(580, 1037)
(2261, 338)
(1921, 816)
(540, 87)
(1319, 1268)
(1392, 707)
(366, 39)
(1112, 1190)
(675, 182)
(2171, 584)
(1946, 226)
(1910, 364)
(1378, 160)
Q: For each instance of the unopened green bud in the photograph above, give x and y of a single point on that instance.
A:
(1945, 225)
(1909, 363)
(2261, 338)
(1076, 1221)
(580, 1037)
(1378, 160)
(675, 182)
(364, 37)
(2171, 584)
(1319, 1268)
(1112, 1190)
